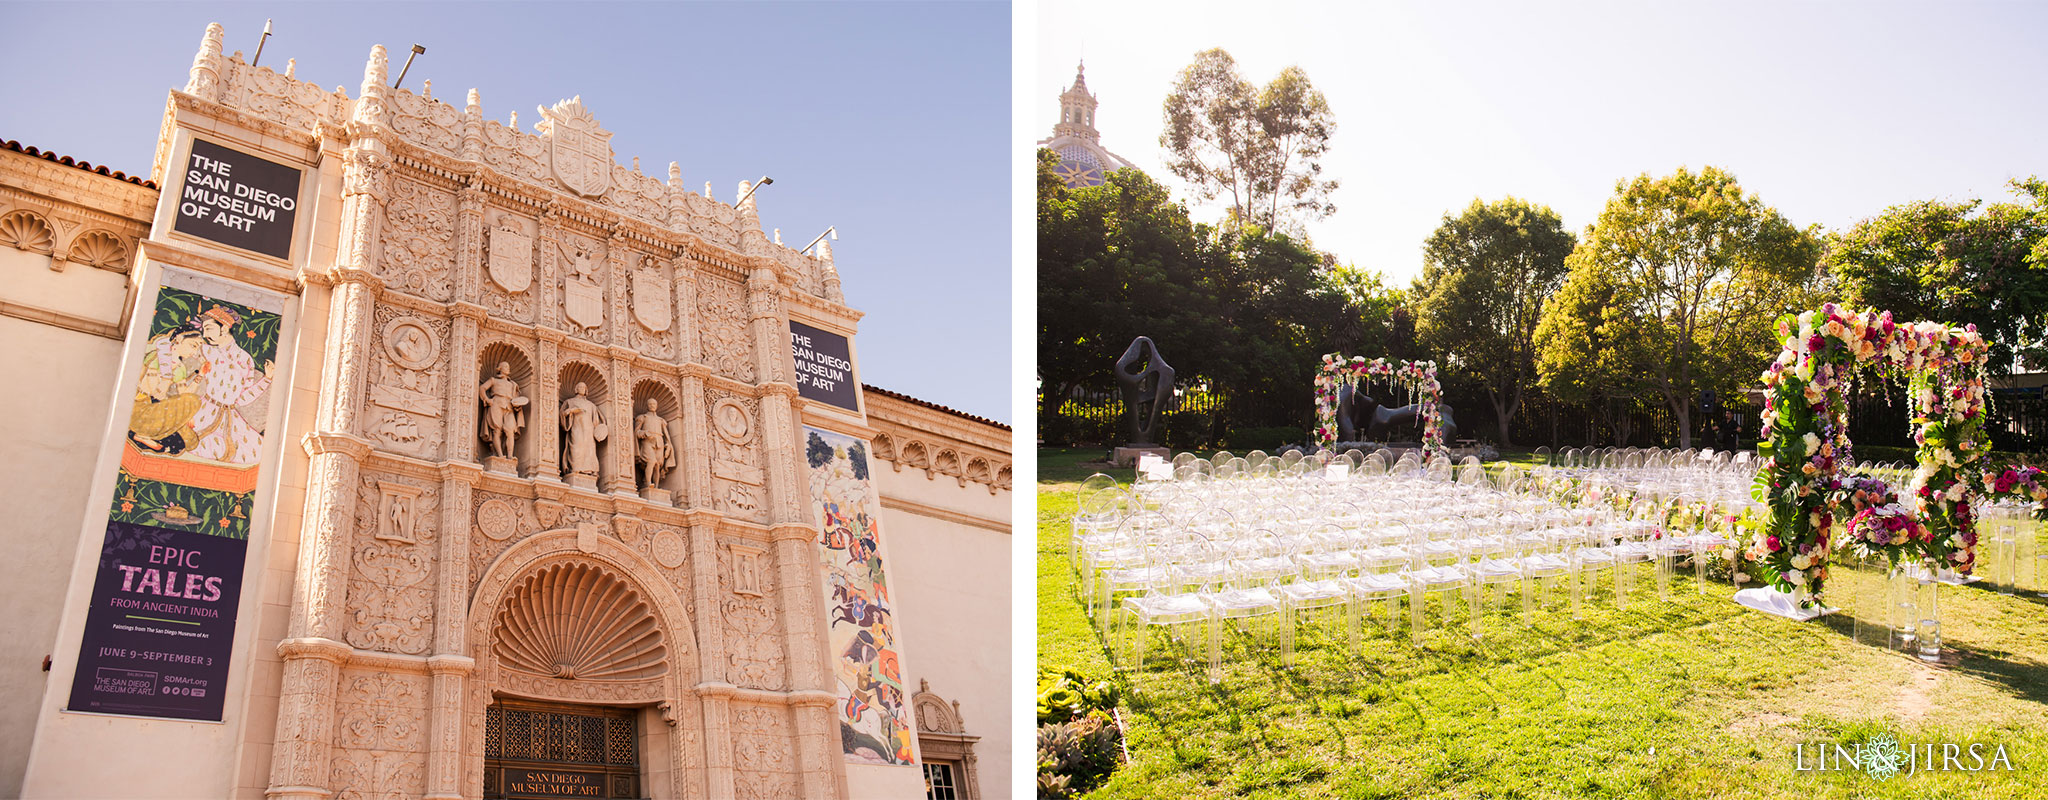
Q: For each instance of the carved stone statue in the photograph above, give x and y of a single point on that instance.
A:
(656, 455)
(1148, 389)
(583, 427)
(504, 411)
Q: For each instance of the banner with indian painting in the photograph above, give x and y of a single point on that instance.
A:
(875, 724)
(160, 630)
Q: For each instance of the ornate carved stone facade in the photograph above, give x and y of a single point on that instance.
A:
(409, 576)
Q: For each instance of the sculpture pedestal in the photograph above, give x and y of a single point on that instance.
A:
(1777, 603)
(657, 495)
(1127, 455)
(505, 464)
(583, 481)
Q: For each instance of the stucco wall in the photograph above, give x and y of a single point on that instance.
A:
(51, 431)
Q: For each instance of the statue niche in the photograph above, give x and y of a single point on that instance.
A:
(1356, 409)
(1147, 383)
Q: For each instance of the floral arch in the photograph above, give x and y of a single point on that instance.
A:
(1807, 440)
(1419, 377)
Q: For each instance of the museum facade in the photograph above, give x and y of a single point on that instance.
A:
(378, 449)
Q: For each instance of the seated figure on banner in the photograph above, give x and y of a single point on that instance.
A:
(167, 394)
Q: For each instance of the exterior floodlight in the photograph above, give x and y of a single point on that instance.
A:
(764, 181)
(417, 50)
(832, 232)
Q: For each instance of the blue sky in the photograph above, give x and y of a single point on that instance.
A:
(890, 121)
(1831, 111)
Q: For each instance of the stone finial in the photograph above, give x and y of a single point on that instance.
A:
(825, 249)
(375, 70)
(675, 174)
(748, 203)
(636, 165)
(291, 68)
(513, 123)
(707, 190)
(473, 127)
(427, 88)
(207, 65)
(778, 236)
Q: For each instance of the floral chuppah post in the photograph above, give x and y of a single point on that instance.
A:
(1806, 431)
(1418, 376)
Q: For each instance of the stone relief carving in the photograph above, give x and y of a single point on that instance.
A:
(419, 255)
(763, 753)
(738, 479)
(651, 305)
(498, 518)
(510, 255)
(404, 395)
(281, 98)
(965, 466)
(100, 249)
(579, 621)
(380, 745)
(579, 150)
(754, 654)
(426, 122)
(503, 520)
(668, 549)
(582, 285)
(722, 310)
(390, 599)
(26, 230)
(514, 153)
(934, 714)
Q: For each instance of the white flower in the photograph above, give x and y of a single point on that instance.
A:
(1801, 561)
(1795, 577)
(1811, 441)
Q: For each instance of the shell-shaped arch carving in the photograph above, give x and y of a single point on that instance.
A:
(100, 249)
(24, 230)
(577, 621)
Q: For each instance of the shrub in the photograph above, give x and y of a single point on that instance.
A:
(1079, 743)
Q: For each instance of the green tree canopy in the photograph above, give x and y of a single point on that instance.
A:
(1262, 147)
(1698, 270)
(1961, 262)
(1485, 275)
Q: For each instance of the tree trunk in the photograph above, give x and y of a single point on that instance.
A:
(1501, 414)
(1683, 414)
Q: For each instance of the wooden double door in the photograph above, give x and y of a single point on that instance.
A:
(551, 750)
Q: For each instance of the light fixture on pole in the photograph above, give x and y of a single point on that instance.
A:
(764, 181)
(259, 45)
(417, 50)
(832, 232)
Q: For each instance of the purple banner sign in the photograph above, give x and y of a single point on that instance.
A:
(162, 624)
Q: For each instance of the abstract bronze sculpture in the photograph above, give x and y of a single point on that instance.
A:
(1148, 388)
(1356, 410)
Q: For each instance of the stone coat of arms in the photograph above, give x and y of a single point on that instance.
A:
(579, 151)
(582, 293)
(511, 256)
(650, 300)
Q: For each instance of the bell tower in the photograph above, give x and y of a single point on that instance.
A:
(1077, 109)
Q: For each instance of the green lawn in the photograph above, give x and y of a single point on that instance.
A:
(1695, 698)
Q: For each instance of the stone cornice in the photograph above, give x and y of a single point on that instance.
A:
(945, 514)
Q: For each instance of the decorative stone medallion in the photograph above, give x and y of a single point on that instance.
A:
(497, 519)
(410, 343)
(650, 300)
(731, 421)
(668, 549)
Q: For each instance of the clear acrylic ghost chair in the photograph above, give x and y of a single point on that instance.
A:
(1171, 605)
(1438, 567)
(1677, 542)
(1099, 505)
(1318, 585)
(1125, 548)
(1541, 455)
(1492, 566)
(1247, 592)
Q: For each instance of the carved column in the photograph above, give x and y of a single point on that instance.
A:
(207, 66)
(769, 331)
(618, 320)
(686, 311)
(705, 595)
(621, 413)
(449, 666)
(314, 651)
(715, 698)
(464, 374)
(548, 289)
(546, 407)
(469, 243)
(696, 444)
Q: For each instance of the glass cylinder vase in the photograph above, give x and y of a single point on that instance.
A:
(1928, 611)
(1901, 588)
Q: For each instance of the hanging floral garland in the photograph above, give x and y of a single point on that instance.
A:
(1418, 376)
(1806, 438)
